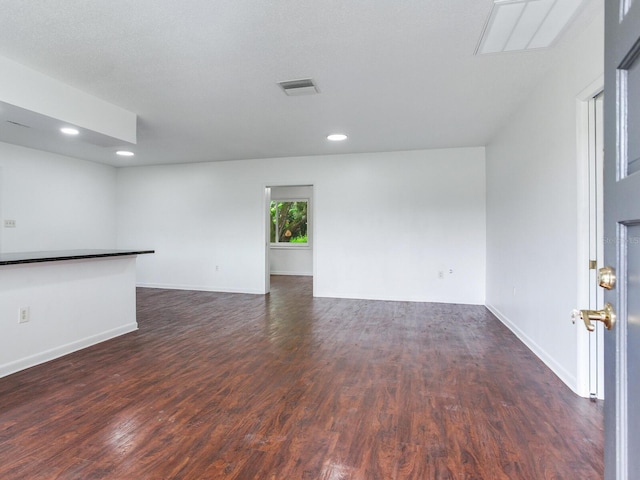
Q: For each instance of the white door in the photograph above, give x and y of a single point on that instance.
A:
(622, 237)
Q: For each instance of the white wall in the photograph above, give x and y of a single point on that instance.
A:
(72, 304)
(532, 207)
(294, 259)
(291, 261)
(385, 224)
(58, 202)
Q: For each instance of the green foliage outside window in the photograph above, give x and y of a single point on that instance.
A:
(289, 222)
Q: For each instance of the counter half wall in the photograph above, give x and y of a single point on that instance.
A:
(73, 299)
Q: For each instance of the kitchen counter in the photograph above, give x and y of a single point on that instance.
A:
(60, 255)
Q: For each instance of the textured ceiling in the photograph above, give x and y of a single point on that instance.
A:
(202, 74)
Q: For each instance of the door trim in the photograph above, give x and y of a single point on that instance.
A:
(583, 250)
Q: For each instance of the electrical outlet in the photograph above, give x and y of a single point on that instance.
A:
(9, 224)
(440, 274)
(217, 268)
(24, 315)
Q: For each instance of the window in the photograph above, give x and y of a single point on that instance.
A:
(289, 222)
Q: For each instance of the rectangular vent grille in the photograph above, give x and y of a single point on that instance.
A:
(303, 86)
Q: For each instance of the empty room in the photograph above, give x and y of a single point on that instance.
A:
(305, 240)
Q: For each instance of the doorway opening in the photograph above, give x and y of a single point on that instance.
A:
(289, 231)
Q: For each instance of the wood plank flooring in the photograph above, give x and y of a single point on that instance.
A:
(286, 386)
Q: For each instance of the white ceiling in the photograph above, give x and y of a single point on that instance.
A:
(202, 74)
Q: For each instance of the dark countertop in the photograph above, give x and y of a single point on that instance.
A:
(59, 255)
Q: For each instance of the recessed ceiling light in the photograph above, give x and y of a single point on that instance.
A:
(337, 137)
(69, 131)
(124, 153)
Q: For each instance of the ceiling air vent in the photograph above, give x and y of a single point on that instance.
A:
(294, 88)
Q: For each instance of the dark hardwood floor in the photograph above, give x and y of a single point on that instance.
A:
(286, 386)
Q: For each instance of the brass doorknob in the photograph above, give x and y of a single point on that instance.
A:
(607, 277)
(607, 316)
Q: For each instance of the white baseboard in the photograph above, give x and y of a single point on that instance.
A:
(568, 379)
(296, 274)
(398, 298)
(197, 288)
(33, 360)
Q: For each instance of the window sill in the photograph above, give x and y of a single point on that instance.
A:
(294, 246)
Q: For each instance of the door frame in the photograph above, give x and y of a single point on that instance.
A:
(1, 211)
(586, 369)
(267, 229)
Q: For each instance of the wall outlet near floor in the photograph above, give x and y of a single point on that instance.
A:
(24, 315)
(9, 224)
(440, 274)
